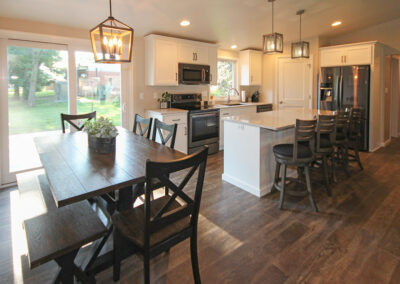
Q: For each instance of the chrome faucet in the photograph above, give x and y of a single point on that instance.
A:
(229, 94)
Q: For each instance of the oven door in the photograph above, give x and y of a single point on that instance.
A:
(203, 128)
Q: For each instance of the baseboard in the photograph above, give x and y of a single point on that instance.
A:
(387, 142)
(259, 192)
(376, 148)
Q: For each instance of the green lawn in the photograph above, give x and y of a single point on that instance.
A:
(45, 114)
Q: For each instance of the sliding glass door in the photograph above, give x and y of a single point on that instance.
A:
(39, 82)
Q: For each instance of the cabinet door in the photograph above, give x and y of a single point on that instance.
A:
(186, 53)
(358, 55)
(255, 68)
(213, 61)
(181, 138)
(165, 63)
(201, 54)
(332, 57)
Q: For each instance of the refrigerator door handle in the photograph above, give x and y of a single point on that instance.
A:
(340, 98)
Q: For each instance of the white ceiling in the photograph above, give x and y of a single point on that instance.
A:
(242, 22)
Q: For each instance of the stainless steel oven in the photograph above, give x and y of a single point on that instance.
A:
(204, 130)
(193, 74)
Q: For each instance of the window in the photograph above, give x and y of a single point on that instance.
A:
(226, 78)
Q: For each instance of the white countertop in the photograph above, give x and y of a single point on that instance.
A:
(221, 105)
(276, 120)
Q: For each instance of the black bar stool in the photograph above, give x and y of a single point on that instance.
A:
(342, 141)
(324, 151)
(300, 154)
(354, 136)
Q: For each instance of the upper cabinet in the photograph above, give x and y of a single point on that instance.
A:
(193, 53)
(250, 68)
(357, 54)
(163, 54)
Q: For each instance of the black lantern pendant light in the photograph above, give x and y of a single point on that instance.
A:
(300, 49)
(273, 42)
(112, 41)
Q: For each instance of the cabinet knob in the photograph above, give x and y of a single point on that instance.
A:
(281, 102)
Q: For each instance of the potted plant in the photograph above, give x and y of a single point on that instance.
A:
(101, 135)
(165, 100)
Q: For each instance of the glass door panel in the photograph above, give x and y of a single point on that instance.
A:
(99, 87)
(37, 94)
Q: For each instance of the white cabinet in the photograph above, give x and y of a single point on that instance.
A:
(162, 55)
(231, 111)
(181, 140)
(193, 53)
(213, 62)
(250, 68)
(357, 54)
(161, 62)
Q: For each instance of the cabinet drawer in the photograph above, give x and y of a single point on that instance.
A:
(170, 119)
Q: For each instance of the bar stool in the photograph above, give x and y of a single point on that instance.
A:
(354, 136)
(342, 141)
(326, 135)
(300, 154)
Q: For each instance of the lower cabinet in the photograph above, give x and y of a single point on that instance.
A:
(231, 111)
(181, 141)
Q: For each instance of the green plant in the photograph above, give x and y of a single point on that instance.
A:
(165, 97)
(102, 128)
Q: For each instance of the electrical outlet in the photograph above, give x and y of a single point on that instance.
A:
(141, 96)
(155, 95)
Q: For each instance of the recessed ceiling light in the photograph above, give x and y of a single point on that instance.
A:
(233, 46)
(337, 23)
(185, 23)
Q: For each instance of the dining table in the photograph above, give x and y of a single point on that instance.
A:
(108, 181)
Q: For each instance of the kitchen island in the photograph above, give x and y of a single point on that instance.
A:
(249, 161)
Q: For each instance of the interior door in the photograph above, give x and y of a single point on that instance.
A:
(294, 83)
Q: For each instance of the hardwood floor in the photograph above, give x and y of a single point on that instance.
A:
(355, 238)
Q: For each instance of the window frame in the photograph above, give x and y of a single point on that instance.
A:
(233, 95)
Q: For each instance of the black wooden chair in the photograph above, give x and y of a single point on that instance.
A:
(158, 225)
(342, 141)
(71, 117)
(300, 154)
(324, 150)
(165, 132)
(354, 136)
(143, 125)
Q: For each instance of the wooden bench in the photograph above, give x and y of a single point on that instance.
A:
(55, 233)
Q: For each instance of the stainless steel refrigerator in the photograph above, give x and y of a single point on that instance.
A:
(346, 87)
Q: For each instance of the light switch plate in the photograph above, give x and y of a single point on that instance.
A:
(141, 96)
(155, 95)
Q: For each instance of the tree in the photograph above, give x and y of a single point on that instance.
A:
(24, 70)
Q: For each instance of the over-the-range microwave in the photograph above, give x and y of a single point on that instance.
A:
(193, 74)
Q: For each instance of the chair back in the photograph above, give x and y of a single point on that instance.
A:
(355, 122)
(342, 122)
(159, 172)
(304, 134)
(165, 132)
(326, 126)
(143, 125)
(71, 117)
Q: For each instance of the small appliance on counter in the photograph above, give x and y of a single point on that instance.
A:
(255, 97)
(243, 97)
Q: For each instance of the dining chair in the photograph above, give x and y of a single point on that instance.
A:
(69, 118)
(300, 154)
(324, 149)
(143, 125)
(157, 225)
(164, 132)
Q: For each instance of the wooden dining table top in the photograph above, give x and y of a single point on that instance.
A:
(76, 173)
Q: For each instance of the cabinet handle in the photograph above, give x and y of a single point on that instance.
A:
(194, 57)
(345, 59)
(211, 77)
(176, 76)
(185, 131)
(251, 78)
(225, 113)
(178, 119)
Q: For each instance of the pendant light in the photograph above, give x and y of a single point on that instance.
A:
(300, 49)
(273, 42)
(112, 41)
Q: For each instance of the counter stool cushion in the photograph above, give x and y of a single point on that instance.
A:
(286, 150)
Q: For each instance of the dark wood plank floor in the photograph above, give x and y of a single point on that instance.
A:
(355, 238)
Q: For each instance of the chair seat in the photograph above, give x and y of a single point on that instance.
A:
(286, 150)
(131, 222)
